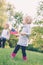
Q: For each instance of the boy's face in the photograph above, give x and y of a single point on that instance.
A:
(6, 26)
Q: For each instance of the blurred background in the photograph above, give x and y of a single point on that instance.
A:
(13, 11)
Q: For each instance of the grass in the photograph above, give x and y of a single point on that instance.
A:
(34, 58)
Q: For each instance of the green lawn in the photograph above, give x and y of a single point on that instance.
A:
(34, 58)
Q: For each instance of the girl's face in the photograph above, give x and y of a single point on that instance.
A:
(27, 20)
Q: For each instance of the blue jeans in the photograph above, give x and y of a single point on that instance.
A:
(2, 42)
(23, 48)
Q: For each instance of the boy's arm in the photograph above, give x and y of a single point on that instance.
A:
(24, 33)
(8, 31)
(28, 33)
(17, 34)
(1, 33)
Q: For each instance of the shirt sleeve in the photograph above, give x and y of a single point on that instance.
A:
(28, 31)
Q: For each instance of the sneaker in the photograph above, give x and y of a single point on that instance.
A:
(13, 55)
(24, 58)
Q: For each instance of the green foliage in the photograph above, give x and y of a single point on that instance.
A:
(6, 11)
(40, 9)
(19, 17)
(3, 15)
(38, 30)
(39, 18)
(38, 22)
(10, 9)
(37, 43)
(13, 41)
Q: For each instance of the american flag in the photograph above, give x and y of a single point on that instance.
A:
(13, 31)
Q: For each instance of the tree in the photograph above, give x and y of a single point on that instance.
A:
(10, 10)
(39, 18)
(3, 15)
(40, 9)
(37, 32)
(19, 17)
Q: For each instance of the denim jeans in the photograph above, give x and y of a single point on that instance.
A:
(2, 42)
(23, 48)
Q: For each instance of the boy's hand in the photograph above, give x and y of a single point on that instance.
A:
(23, 33)
(0, 36)
(17, 35)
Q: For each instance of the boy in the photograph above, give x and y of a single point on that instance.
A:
(5, 35)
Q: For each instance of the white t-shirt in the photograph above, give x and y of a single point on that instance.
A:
(5, 34)
(23, 39)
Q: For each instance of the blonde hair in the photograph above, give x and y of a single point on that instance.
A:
(6, 24)
(28, 19)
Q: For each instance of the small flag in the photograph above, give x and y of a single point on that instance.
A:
(13, 31)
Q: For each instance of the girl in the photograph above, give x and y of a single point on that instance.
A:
(23, 37)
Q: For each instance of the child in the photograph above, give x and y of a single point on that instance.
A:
(23, 38)
(4, 36)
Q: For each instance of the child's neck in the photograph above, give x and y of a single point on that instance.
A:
(26, 24)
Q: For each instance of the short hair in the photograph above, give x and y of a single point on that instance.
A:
(7, 25)
(28, 19)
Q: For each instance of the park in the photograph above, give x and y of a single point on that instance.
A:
(12, 13)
